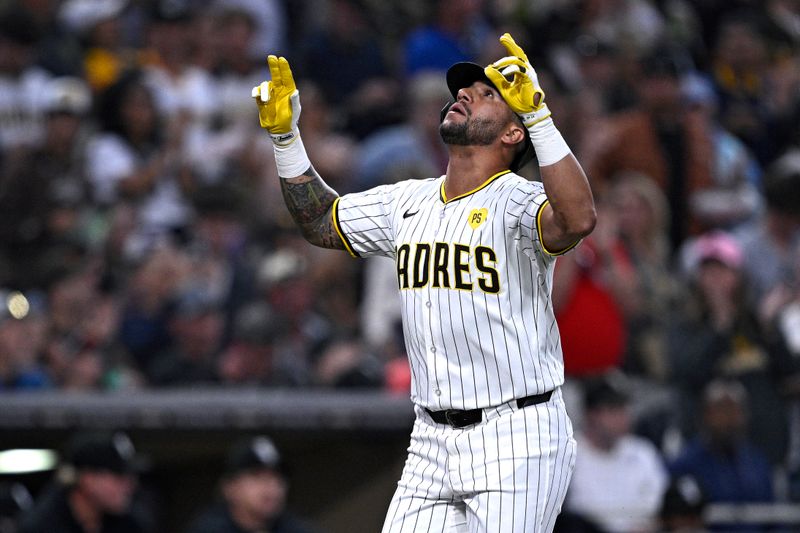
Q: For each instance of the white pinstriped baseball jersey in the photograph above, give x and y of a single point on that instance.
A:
(475, 285)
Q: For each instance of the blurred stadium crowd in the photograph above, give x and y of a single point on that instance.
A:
(144, 242)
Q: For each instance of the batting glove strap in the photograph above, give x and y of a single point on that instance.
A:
(291, 158)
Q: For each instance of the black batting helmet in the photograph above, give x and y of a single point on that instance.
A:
(464, 74)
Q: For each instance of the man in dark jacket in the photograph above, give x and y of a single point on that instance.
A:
(253, 490)
(94, 490)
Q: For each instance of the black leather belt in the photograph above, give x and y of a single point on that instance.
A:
(459, 419)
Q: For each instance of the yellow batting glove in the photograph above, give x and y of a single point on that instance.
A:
(517, 82)
(278, 102)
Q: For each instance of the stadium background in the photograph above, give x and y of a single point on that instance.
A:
(153, 282)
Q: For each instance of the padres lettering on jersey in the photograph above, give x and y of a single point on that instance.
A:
(475, 283)
(446, 266)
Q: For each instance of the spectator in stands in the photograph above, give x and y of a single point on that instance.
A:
(772, 242)
(345, 54)
(734, 198)
(584, 287)
(727, 465)
(413, 148)
(335, 150)
(270, 25)
(455, 31)
(196, 328)
(134, 159)
(23, 85)
(14, 499)
(345, 57)
(184, 93)
(347, 363)
(740, 73)
(717, 335)
(641, 212)
(152, 287)
(253, 493)
(98, 24)
(662, 137)
(228, 151)
(44, 202)
(23, 335)
(94, 491)
(619, 478)
(682, 507)
(249, 359)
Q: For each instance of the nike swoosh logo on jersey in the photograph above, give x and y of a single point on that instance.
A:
(408, 213)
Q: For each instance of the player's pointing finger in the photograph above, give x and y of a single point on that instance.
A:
(274, 70)
(286, 74)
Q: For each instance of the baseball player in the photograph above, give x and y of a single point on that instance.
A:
(492, 447)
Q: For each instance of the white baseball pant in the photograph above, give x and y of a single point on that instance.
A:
(506, 474)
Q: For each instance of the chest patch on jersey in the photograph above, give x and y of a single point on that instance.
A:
(477, 217)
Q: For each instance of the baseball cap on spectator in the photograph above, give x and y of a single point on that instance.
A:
(171, 11)
(608, 390)
(18, 26)
(589, 46)
(196, 301)
(103, 452)
(716, 246)
(68, 95)
(664, 61)
(782, 183)
(256, 324)
(683, 498)
(257, 453)
(80, 16)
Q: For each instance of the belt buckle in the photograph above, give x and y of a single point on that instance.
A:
(457, 419)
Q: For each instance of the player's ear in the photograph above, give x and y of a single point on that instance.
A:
(514, 133)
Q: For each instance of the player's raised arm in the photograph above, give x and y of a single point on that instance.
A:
(309, 199)
(570, 213)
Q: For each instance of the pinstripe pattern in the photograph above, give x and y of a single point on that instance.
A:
(468, 348)
(480, 332)
(508, 474)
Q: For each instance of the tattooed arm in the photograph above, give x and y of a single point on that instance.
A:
(308, 198)
(310, 201)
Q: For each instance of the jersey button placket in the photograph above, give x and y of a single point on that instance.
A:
(431, 327)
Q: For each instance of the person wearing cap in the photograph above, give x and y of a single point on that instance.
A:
(474, 252)
(662, 137)
(94, 490)
(716, 334)
(253, 493)
(620, 478)
(727, 465)
(44, 187)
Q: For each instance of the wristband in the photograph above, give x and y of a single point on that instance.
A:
(291, 159)
(550, 146)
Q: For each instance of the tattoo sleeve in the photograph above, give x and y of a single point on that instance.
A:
(310, 200)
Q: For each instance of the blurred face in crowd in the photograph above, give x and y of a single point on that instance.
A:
(14, 57)
(62, 128)
(256, 496)
(138, 111)
(635, 214)
(717, 280)
(199, 333)
(606, 424)
(725, 420)
(106, 491)
(741, 47)
(235, 35)
(659, 92)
